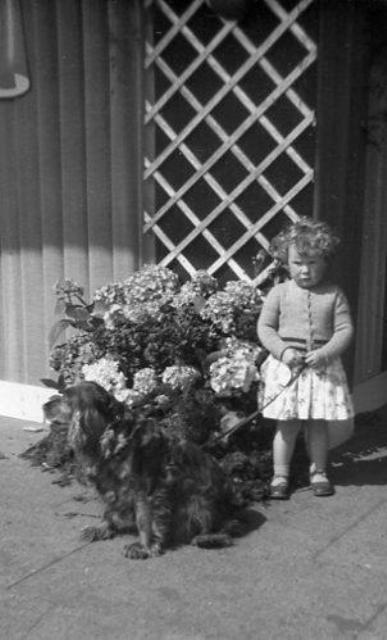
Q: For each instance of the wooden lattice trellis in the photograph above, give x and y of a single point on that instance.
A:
(229, 136)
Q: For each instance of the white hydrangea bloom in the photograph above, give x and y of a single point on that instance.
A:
(230, 374)
(106, 373)
(179, 376)
(145, 381)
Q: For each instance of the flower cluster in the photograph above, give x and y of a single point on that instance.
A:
(230, 309)
(230, 375)
(106, 373)
(109, 295)
(235, 370)
(145, 381)
(141, 295)
(69, 358)
(68, 288)
(178, 376)
(199, 288)
(233, 347)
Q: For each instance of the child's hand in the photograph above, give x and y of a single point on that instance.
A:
(292, 358)
(316, 359)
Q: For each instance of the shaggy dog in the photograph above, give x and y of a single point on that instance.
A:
(169, 490)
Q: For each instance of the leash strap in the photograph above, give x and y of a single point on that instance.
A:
(250, 417)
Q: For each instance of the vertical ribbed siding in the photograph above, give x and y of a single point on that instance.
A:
(97, 140)
(339, 193)
(11, 356)
(45, 91)
(70, 167)
(373, 264)
(126, 119)
(72, 150)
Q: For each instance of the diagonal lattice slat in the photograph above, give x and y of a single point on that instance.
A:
(172, 147)
(229, 142)
(222, 134)
(238, 76)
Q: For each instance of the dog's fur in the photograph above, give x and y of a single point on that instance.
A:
(171, 491)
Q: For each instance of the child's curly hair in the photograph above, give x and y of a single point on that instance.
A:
(308, 236)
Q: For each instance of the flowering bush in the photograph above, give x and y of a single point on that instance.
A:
(188, 355)
(191, 349)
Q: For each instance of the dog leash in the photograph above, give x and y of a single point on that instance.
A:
(244, 421)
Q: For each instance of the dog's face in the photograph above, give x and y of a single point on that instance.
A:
(88, 409)
(56, 411)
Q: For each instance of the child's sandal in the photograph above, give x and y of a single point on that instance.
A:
(279, 490)
(320, 484)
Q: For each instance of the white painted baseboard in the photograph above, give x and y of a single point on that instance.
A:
(23, 401)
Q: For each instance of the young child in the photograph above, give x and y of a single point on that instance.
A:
(305, 324)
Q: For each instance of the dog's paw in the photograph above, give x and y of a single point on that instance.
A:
(93, 534)
(136, 551)
(156, 550)
(212, 541)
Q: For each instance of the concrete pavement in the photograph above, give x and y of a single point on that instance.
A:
(309, 569)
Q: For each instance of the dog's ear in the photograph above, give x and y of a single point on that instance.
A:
(91, 425)
(90, 417)
(91, 395)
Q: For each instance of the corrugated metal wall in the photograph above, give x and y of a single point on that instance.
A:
(71, 160)
(371, 347)
(341, 143)
(70, 167)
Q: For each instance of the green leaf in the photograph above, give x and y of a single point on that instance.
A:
(61, 382)
(95, 322)
(198, 303)
(58, 329)
(100, 308)
(80, 314)
(52, 384)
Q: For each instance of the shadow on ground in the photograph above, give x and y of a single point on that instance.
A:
(360, 461)
(363, 460)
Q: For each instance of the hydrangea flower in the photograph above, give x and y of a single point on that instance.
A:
(66, 288)
(241, 348)
(106, 373)
(139, 296)
(178, 376)
(152, 282)
(145, 381)
(237, 297)
(230, 374)
(110, 295)
(201, 286)
(132, 397)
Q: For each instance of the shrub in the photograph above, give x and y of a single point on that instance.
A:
(188, 353)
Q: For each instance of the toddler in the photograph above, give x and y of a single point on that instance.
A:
(306, 325)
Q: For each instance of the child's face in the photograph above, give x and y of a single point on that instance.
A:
(307, 269)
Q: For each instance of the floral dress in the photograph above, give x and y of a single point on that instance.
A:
(321, 394)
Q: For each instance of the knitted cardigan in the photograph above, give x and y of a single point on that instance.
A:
(305, 319)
